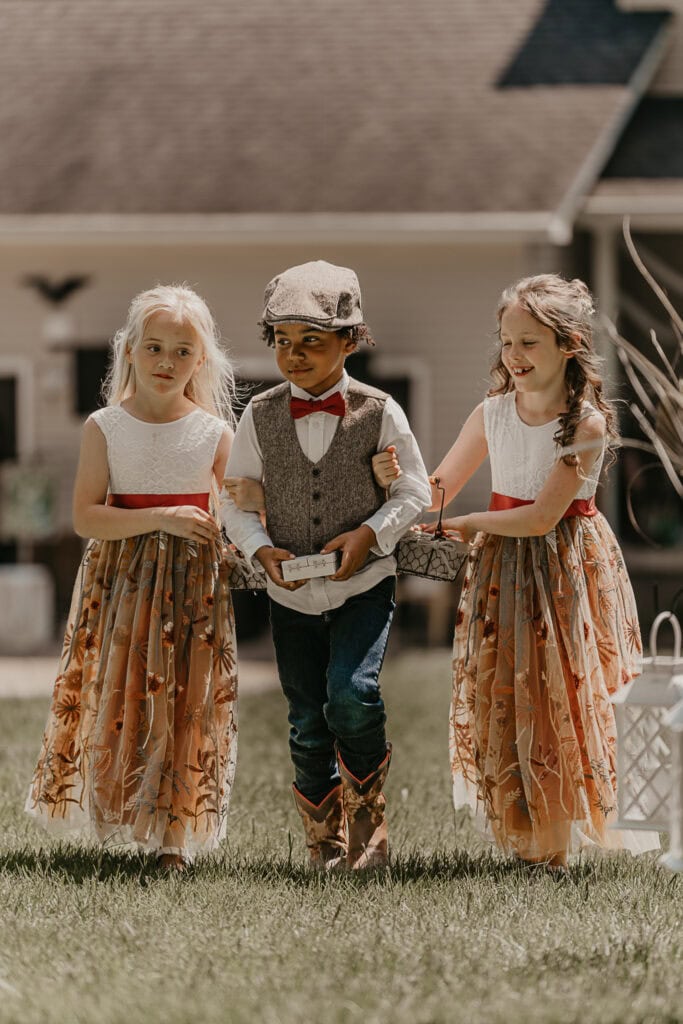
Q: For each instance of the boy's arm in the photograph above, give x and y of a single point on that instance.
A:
(410, 494)
(244, 529)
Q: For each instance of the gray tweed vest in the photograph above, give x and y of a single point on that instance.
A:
(309, 503)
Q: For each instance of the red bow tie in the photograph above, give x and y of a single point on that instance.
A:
(335, 405)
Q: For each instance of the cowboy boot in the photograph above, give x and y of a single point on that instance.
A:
(325, 828)
(364, 804)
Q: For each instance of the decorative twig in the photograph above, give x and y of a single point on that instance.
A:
(660, 449)
(662, 355)
(635, 383)
(645, 365)
(659, 291)
(659, 393)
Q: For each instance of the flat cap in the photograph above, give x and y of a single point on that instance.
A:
(315, 293)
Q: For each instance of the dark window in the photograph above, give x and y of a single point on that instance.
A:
(360, 366)
(8, 418)
(8, 446)
(91, 365)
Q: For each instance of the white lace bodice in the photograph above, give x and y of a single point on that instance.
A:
(522, 456)
(159, 458)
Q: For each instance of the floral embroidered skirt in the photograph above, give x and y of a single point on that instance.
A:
(141, 740)
(546, 632)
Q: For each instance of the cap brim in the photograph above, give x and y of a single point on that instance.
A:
(319, 325)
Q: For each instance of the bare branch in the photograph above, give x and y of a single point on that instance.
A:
(635, 382)
(656, 288)
(662, 355)
(660, 449)
(645, 365)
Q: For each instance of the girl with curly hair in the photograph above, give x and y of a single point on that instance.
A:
(547, 628)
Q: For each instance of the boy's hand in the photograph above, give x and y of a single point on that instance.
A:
(270, 559)
(354, 546)
(385, 466)
(247, 494)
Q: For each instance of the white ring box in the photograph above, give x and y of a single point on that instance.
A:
(307, 566)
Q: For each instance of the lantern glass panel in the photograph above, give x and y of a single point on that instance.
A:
(646, 782)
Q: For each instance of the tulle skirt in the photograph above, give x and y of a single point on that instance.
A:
(141, 739)
(546, 631)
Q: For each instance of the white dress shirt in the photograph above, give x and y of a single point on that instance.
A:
(408, 497)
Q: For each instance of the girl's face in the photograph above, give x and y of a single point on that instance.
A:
(311, 359)
(167, 356)
(530, 352)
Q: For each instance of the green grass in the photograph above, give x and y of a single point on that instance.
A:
(450, 933)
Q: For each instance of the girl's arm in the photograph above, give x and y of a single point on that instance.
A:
(545, 512)
(462, 460)
(221, 457)
(92, 517)
(454, 470)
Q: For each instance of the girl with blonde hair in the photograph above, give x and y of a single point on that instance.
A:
(140, 742)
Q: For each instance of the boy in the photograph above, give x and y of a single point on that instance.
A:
(311, 441)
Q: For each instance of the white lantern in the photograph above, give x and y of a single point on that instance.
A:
(643, 739)
(674, 721)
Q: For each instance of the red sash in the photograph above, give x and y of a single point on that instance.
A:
(579, 507)
(159, 500)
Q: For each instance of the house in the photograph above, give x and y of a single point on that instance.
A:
(443, 149)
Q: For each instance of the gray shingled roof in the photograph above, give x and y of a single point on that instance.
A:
(163, 106)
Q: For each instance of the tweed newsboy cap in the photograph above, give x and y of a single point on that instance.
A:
(315, 293)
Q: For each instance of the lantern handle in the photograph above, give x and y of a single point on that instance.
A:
(675, 625)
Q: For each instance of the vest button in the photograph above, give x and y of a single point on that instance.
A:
(315, 472)
(316, 495)
(316, 520)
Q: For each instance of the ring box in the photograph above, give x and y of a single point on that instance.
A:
(307, 566)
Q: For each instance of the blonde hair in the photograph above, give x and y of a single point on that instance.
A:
(212, 386)
(568, 308)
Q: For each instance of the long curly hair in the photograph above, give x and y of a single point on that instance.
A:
(568, 309)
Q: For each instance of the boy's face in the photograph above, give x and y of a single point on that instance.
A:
(312, 359)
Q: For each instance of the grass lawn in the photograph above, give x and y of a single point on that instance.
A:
(451, 933)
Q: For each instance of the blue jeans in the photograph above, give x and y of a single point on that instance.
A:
(329, 666)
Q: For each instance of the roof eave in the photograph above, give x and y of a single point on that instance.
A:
(658, 210)
(266, 228)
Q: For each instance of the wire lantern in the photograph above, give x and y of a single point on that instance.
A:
(644, 741)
